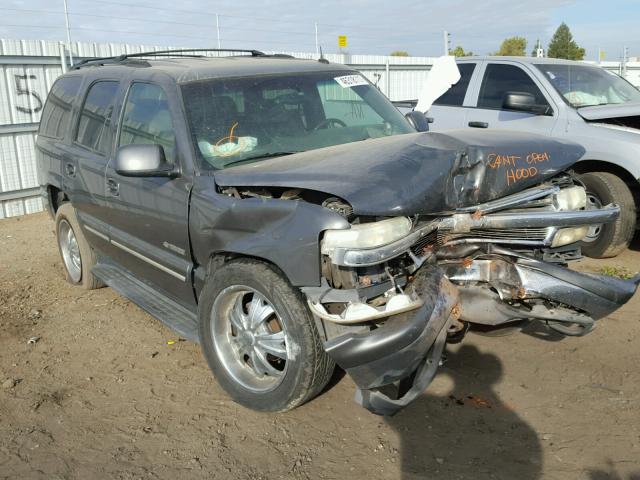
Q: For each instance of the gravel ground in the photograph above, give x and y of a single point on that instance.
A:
(93, 387)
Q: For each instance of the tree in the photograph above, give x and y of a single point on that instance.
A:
(459, 52)
(513, 47)
(562, 45)
(399, 53)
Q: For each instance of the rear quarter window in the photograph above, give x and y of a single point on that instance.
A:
(56, 114)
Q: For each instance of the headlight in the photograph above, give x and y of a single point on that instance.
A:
(367, 235)
(571, 198)
(567, 236)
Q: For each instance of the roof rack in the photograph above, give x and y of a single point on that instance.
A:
(184, 52)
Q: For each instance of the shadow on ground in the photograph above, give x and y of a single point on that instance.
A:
(446, 437)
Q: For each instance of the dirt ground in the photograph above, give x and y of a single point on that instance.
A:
(103, 393)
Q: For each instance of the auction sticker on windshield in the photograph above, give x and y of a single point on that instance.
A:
(347, 81)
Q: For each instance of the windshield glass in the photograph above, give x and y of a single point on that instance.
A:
(585, 86)
(238, 120)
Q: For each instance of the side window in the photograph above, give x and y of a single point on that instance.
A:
(95, 117)
(57, 110)
(147, 119)
(454, 97)
(500, 79)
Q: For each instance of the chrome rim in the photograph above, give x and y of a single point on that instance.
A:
(249, 338)
(593, 203)
(70, 251)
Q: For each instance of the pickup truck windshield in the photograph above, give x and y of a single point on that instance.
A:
(585, 86)
(245, 119)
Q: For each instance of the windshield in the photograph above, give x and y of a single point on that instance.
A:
(585, 86)
(238, 120)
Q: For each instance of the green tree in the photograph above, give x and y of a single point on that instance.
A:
(399, 53)
(459, 52)
(562, 45)
(513, 47)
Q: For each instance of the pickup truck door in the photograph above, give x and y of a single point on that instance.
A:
(149, 222)
(450, 110)
(499, 78)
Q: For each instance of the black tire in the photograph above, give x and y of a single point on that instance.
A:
(66, 215)
(305, 375)
(613, 238)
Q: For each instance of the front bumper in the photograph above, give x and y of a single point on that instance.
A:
(402, 354)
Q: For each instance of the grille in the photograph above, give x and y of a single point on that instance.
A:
(512, 235)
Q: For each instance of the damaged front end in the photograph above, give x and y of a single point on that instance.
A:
(395, 290)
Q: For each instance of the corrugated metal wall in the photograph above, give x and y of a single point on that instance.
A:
(29, 68)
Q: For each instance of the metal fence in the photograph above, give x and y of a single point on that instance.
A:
(29, 68)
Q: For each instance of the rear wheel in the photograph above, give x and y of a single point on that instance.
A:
(603, 241)
(77, 255)
(259, 338)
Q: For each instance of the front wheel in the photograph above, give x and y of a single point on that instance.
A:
(259, 338)
(604, 241)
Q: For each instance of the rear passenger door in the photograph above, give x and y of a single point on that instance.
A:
(448, 111)
(149, 216)
(90, 152)
(499, 78)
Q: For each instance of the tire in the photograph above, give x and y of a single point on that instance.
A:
(77, 268)
(300, 376)
(613, 238)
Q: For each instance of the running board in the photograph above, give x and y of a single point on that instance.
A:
(179, 319)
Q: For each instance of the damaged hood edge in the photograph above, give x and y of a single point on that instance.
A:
(415, 174)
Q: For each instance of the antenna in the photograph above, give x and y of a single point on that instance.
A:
(322, 59)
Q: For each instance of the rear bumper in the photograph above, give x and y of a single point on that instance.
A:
(403, 353)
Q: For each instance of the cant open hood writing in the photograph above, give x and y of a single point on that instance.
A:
(421, 173)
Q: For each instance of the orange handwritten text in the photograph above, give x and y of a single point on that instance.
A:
(496, 160)
(537, 157)
(516, 174)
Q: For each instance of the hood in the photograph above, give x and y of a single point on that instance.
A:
(417, 173)
(602, 112)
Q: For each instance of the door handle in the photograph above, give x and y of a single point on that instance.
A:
(479, 124)
(70, 169)
(113, 187)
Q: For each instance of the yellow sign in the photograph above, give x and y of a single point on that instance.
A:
(342, 41)
(602, 55)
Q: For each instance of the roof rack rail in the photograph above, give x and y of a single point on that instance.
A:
(184, 52)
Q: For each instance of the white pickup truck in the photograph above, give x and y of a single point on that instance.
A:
(564, 99)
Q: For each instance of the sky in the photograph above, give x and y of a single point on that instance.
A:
(371, 27)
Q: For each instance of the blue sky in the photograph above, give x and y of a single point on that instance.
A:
(372, 26)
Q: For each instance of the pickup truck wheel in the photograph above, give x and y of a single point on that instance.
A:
(604, 241)
(77, 255)
(260, 339)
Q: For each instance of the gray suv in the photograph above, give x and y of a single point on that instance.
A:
(570, 100)
(287, 217)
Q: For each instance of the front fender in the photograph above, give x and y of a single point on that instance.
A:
(283, 232)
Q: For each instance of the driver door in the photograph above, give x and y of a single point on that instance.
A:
(149, 221)
(498, 79)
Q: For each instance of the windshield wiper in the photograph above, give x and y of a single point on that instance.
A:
(259, 157)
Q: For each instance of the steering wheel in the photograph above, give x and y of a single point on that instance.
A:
(327, 122)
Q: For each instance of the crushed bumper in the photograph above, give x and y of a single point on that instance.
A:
(402, 354)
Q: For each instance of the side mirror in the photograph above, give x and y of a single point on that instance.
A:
(523, 102)
(418, 120)
(143, 161)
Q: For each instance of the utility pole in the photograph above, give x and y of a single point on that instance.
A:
(447, 43)
(66, 21)
(218, 29)
(317, 45)
(625, 59)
